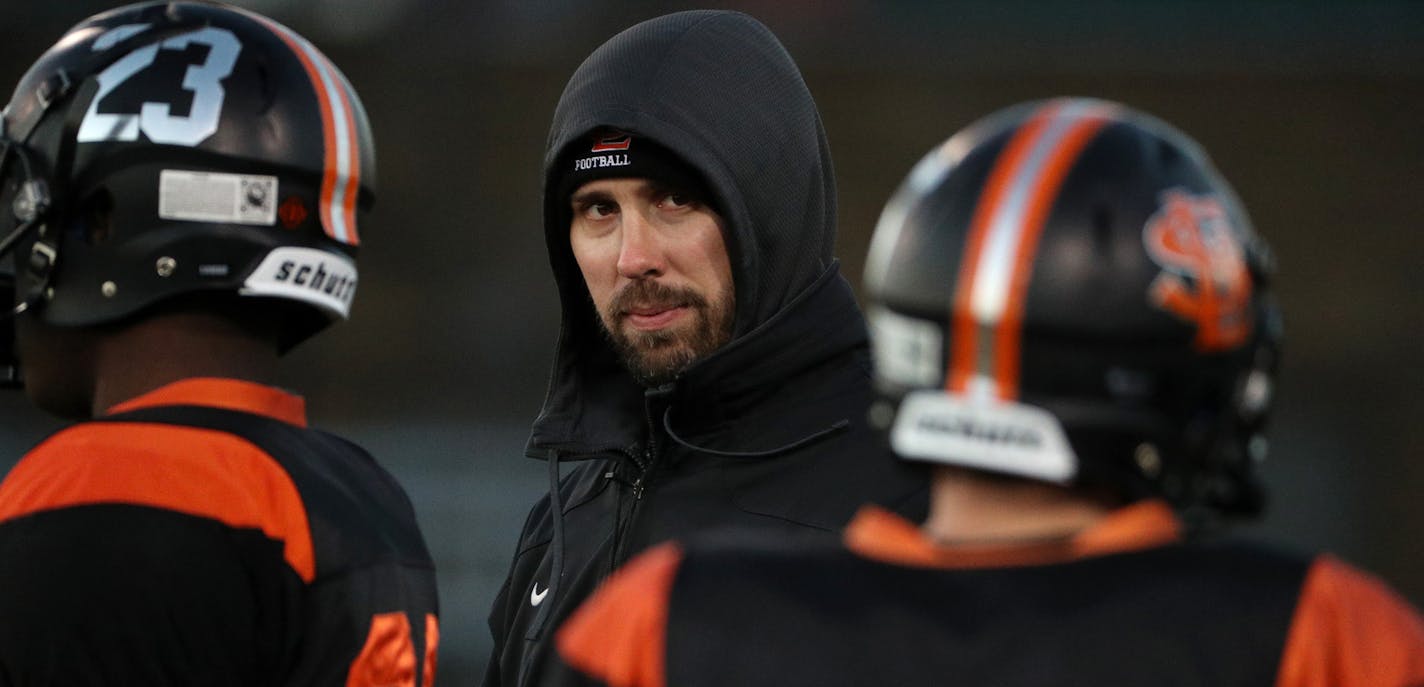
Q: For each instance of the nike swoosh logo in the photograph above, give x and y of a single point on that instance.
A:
(536, 597)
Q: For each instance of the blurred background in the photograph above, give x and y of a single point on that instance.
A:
(1313, 110)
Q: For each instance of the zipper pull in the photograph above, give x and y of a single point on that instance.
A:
(638, 489)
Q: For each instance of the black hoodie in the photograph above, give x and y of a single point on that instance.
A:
(768, 431)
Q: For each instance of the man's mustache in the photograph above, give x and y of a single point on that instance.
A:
(644, 294)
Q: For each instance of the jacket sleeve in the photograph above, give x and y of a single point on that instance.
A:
(504, 611)
(499, 631)
(618, 637)
(1351, 630)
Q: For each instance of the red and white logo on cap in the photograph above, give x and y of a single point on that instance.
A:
(615, 140)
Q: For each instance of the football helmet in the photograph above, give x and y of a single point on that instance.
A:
(173, 148)
(1068, 291)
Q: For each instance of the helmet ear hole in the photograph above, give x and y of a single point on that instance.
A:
(96, 214)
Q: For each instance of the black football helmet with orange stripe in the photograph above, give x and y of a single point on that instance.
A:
(173, 148)
(1068, 291)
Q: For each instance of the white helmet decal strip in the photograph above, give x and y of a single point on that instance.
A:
(1006, 228)
(343, 163)
(998, 257)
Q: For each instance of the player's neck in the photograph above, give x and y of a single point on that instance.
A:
(154, 352)
(969, 508)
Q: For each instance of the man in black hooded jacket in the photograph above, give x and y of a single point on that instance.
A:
(758, 420)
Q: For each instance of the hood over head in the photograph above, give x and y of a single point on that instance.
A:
(720, 92)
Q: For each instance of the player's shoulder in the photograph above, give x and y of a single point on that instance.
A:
(1215, 573)
(98, 460)
(752, 554)
(1340, 582)
(1229, 565)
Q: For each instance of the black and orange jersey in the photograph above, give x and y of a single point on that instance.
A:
(202, 534)
(1123, 603)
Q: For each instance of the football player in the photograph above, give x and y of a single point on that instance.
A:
(180, 185)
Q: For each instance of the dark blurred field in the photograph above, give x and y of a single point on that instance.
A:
(1312, 109)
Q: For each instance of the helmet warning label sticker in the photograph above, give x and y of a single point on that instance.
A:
(217, 197)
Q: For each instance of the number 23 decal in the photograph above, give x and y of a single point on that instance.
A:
(155, 119)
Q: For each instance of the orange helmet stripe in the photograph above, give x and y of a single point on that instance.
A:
(1008, 222)
(964, 358)
(342, 168)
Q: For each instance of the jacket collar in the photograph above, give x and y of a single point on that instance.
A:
(881, 535)
(820, 324)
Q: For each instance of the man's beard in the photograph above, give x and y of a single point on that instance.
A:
(655, 358)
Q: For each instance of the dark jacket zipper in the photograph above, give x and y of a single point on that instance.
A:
(651, 454)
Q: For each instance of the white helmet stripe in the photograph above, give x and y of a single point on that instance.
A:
(342, 174)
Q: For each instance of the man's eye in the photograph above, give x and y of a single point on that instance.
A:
(599, 210)
(676, 200)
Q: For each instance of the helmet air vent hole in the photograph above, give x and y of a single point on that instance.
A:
(1148, 460)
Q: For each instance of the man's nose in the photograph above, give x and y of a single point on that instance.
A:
(640, 256)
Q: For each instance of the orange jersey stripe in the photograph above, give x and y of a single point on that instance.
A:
(619, 635)
(388, 658)
(882, 535)
(1350, 630)
(432, 649)
(230, 394)
(197, 472)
